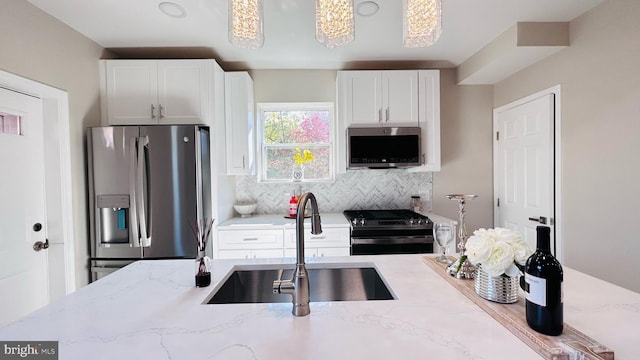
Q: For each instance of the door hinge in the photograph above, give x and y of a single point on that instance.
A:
(497, 135)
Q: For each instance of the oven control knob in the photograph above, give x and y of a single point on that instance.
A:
(419, 221)
(411, 221)
(354, 221)
(362, 221)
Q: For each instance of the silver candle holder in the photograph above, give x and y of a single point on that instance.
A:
(462, 268)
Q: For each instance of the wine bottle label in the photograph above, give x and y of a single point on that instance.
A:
(537, 293)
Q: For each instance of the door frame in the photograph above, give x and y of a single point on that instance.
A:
(557, 170)
(57, 147)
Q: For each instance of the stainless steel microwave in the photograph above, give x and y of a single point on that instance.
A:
(383, 147)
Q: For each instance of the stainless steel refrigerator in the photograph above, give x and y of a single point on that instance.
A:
(147, 184)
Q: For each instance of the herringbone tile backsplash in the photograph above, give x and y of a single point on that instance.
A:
(356, 189)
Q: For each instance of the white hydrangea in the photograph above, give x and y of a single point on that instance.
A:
(498, 251)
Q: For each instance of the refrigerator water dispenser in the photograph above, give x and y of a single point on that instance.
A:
(114, 218)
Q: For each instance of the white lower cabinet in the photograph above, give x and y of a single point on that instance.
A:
(250, 239)
(330, 237)
(250, 254)
(249, 244)
(277, 242)
(319, 252)
(332, 242)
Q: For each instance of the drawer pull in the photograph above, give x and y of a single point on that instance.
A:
(250, 239)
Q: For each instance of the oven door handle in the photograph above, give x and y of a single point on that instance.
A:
(388, 240)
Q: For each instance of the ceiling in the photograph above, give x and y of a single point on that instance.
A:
(289, 27)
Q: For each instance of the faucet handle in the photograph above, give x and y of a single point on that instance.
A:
(277, 282)
(282, 286)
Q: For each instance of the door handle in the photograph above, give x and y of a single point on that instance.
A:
(144, 216)
(134, 225)
(39, 245)
(541, 219)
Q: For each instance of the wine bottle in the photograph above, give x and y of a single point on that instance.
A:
(543, 277)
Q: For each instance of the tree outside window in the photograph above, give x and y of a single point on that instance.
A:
(296, 136)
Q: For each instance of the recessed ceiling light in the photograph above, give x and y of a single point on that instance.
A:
(367, 8)
(172, 9)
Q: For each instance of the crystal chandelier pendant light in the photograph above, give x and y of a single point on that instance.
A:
(334, 22)
(245, 23)
(422, 22)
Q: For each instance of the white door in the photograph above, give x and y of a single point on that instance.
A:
(400, 97)
(364, 98)
(132, 90)
(182, 91)
(23, 271)
(523, 168)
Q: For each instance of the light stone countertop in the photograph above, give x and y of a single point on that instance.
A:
(151, 310)
(440, 219)
(268, 220)
(328, 220)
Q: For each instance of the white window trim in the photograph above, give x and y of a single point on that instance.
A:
(303, 106)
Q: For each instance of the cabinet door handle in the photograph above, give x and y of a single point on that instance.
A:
(153, 111)
(161, 114)
(243, 163)
(541, 219)
(387, 115)
(250, 239)
(380, 115)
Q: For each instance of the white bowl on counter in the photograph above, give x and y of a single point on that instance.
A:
(245, 209)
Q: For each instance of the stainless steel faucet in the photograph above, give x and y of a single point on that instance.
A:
(298, 286)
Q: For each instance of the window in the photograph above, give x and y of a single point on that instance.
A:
(10, 124)
(296, 142)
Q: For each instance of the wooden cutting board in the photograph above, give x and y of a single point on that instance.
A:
(571, 344)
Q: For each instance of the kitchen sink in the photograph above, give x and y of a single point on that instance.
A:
(327, 282)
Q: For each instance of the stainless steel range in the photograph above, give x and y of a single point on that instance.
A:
(389, 232)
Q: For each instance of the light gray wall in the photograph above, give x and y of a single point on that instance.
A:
(599, 74)
(36, 46)
(467, 151)
(294, 85)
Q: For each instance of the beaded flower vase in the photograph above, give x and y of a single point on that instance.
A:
(501, 289)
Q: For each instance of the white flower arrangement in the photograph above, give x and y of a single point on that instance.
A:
(499, 251)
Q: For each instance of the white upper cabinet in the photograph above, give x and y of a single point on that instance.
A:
(429, 109)
(380, 98)
(147, 92)
(391, 98)
(240, 120)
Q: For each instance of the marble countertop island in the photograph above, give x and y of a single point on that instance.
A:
(151, 310)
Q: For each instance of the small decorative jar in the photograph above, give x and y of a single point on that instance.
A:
(501, 289)
(203, 270)
(298, 173)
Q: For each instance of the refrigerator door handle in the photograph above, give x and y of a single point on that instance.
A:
(133, 208)
(199, 194)
(141, 191)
